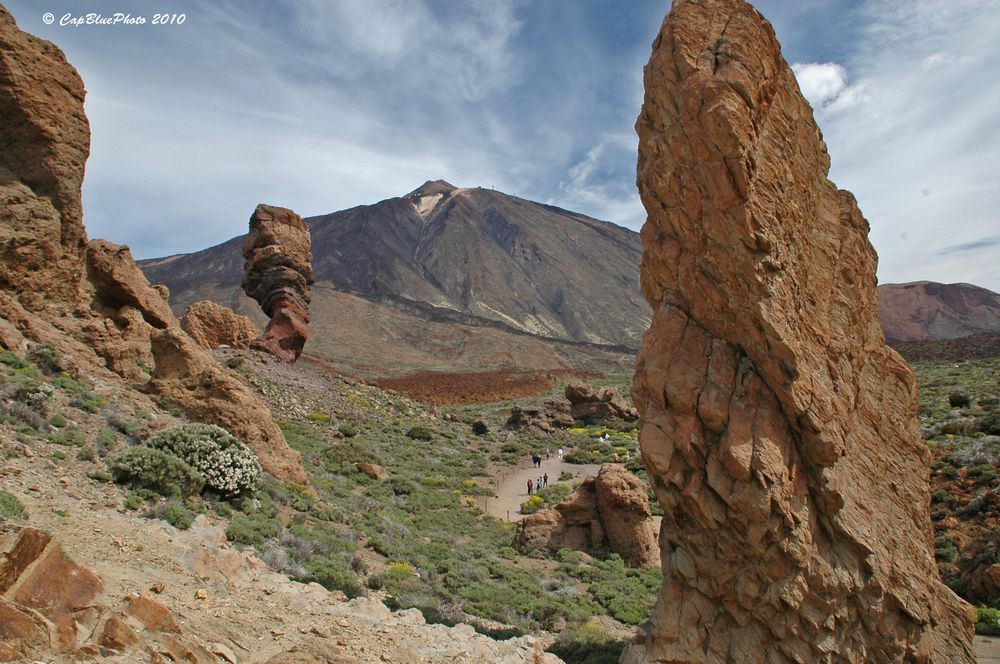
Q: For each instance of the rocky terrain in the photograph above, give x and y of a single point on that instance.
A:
(779, 431)
(925, 310)
(450, 279)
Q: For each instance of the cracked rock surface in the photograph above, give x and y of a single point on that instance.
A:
(779, 431)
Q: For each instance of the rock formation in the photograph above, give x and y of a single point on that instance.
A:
(278, 255)
(779, 431)
(597, 408)
(547, 418)
(212, 325)
(88, 300)
(609, 512)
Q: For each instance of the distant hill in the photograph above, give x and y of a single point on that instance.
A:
(927, 311)
(446, 278)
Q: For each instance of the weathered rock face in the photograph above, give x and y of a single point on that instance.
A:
(779, 431)
(46, 140)
(88, 300)
(278, 255)
(551, 416)
(212, 325)
(609, 512)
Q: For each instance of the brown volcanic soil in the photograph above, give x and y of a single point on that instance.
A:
(972, 347)
(441, 388)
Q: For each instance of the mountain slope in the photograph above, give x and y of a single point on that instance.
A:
(500, 280)
(925, 310)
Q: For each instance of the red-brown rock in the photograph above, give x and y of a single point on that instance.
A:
(609, 512)
(212, 325)
(278, 255)
(779, 431)
(372, 470)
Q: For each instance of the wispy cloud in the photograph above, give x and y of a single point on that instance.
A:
(985, 243)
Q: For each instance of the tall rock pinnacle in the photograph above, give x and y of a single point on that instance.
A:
(779, 430)
(278, 255)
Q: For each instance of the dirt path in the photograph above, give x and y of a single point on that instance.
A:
(512, 484)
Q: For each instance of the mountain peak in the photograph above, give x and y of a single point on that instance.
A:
(432, 187)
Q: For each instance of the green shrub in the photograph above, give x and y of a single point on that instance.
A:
(945, 549)
(100, 476)
(106, 441)
(234, 363)
(128, 427)
(156, 470)
(318, 417)
(175, 512)
(86, 454)
(565, 476)
(45, 358)
(227, 465)
(532, 505)
(987, 621)
(58, 421)
(70, 437)
(333, 572)
(253, 529)
(347, 429)
(10, 506)
(420, 433)
(958, 399)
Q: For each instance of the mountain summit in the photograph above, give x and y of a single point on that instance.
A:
(447, 255)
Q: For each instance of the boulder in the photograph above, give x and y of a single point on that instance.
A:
(547, 418)
(597, 408)
(779, 431)
(609, 512)
(372, 470)
(212, 325)
(278, 264)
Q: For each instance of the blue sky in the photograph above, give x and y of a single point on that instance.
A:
(319, 105)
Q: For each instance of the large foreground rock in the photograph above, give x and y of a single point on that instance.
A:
(779, 431)
(609, 512)
(88, 300)
(278, 255)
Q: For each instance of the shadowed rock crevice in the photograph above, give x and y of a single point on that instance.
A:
(779, 430)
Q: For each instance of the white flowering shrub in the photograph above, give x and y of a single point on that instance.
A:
(228, 465)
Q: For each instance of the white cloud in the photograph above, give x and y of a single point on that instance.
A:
(825, 85)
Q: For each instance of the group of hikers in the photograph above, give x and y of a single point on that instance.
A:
(540, 483)
(536, 462)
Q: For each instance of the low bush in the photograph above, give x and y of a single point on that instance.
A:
(253, 529)
(959, 399)
(420, 433)
(156, 470)
(174, 511)
(10, 506)
(987, 621)
(227, 465)
(72, 437)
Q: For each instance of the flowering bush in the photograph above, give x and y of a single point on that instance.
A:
(228, 466)
(157, 471)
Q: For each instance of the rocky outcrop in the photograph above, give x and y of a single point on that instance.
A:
(212, 325)
(46, 139)
(547, 418)
(779, 431)
(609, 512)
(598, 407)
(88, 300)
(278, 255)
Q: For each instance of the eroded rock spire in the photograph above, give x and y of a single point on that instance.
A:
(779, 431)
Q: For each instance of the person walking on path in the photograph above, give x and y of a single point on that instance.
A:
(560, 454)
(545, 479)
(531, 485)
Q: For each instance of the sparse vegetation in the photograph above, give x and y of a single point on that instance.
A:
(10, 506)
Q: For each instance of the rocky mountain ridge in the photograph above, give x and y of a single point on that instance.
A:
(928, 311)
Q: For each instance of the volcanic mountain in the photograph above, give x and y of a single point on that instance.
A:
(449, 278)
(927, 311)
